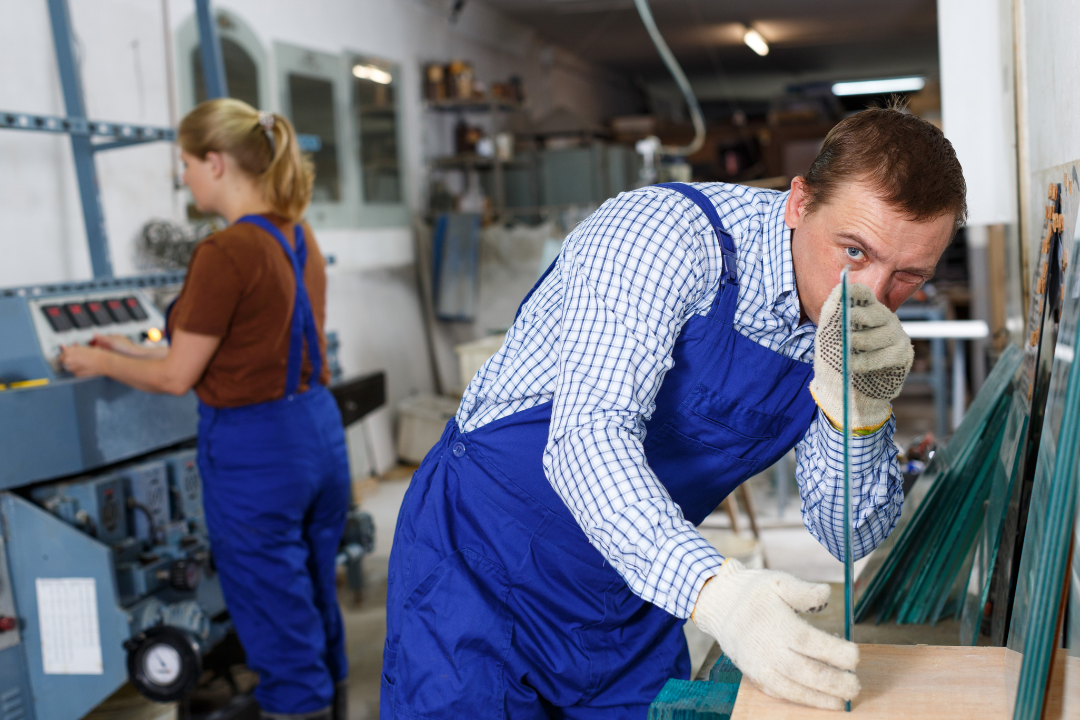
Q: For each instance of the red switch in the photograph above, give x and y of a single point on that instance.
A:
(8, 623)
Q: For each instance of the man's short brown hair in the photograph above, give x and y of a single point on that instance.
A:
(909, 161)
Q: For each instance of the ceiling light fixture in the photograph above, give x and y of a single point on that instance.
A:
(755, 42)
(372, 73)
(878, 87)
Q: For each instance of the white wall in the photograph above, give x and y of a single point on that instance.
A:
(373, 302)
(1050, 106)
(978, 103)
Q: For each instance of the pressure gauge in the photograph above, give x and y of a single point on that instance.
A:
(163, 663)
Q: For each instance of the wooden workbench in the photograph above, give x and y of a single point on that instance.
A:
(908, 681)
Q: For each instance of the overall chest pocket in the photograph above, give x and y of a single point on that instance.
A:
(721, 423)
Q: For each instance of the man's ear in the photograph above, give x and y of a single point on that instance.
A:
(797, 201)
(217, 164)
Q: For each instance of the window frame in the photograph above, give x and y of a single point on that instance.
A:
(320, 65)
(235, 29)
(274, 65)
(376, 214)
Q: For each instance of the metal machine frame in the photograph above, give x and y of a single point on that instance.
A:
(82, 130)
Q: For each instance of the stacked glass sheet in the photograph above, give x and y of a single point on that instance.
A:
(921, 576)
(1040, 584)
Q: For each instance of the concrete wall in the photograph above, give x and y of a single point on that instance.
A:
(123, 49)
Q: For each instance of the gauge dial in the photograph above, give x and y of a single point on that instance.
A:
(161, 663)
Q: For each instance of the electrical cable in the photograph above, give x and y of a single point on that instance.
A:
(155, 536)
(680, 80)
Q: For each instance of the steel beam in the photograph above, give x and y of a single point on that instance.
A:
(81, 147)
(118, 133)
(210, 52)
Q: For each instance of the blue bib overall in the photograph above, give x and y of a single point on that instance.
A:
(498, 606)
(276, 493)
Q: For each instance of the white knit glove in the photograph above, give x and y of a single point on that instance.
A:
(751, 613)
(881, 356)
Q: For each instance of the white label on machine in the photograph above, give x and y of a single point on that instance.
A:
(68, 618)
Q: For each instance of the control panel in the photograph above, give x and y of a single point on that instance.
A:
(76, 319)
(150, 515)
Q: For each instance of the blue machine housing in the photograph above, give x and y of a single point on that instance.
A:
(93, 488)
(71, 426)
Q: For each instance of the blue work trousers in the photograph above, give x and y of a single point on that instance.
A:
(276, 491)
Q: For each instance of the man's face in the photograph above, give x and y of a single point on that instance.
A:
(888, 252)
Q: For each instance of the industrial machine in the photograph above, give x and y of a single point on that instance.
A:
(106, 569)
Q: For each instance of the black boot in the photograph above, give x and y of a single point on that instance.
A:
(341, 701)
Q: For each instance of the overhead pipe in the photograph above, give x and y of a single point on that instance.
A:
(680, 79)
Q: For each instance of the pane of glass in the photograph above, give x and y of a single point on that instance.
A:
(241, 73)
(849, 556)
(989, 538)
(1036, 609)
(376, 121)
(934, 498)
(311, 101)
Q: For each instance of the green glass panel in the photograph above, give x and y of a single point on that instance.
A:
(849, 556)
(1041, 579)
(989, 538)
(888, 572)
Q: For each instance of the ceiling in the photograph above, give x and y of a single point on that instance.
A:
(812, 39)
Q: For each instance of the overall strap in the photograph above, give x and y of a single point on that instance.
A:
(303, 319)
(727, 245)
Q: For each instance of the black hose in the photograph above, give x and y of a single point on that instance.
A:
(155, 535)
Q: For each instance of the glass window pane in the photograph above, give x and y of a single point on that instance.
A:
(375, 115)
(312, 103)
(241, 73)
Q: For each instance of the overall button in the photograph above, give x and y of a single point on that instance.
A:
(458, 449)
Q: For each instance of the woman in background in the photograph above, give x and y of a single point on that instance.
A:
(246, 332)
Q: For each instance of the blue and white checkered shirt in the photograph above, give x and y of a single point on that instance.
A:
(596, 339)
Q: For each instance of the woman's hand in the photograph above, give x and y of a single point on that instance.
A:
(82, 361)
(119, 344)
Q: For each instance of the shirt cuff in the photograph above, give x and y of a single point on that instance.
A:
(689, 561)
(862, 446)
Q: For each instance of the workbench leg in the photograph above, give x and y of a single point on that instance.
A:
(748, 501)
(731, 505)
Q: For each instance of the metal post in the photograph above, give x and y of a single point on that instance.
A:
(81, 146)
(940, 384)
(959, 384)
(210, 52)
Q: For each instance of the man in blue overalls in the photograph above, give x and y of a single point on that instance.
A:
(546, 554)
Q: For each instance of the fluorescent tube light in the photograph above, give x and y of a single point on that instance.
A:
(877, 87)
(372, 73)
(755, 42)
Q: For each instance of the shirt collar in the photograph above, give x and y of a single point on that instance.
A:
(778, 284)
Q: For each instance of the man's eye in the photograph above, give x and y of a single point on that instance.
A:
(854, 253)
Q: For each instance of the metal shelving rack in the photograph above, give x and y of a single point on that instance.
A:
(84, 132)
(492, 107)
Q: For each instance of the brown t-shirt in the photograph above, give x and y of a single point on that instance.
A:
(240, 287)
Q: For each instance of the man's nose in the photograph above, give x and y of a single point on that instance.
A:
(877, 281)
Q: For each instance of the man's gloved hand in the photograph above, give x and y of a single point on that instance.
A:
(751, 613)
(881, 356)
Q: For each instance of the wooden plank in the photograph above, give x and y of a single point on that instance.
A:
(906, 681)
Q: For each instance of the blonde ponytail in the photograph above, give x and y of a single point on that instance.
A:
(264, 145)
